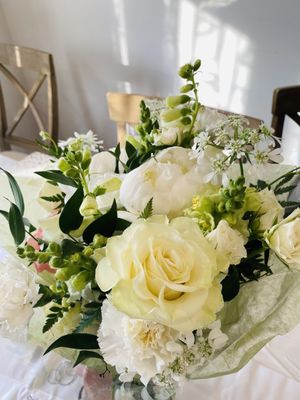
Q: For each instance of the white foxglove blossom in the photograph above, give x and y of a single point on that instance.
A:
(87, 141)
(18, 294)
(270, 211)
(169, 136)
(135, 346)
(208, 119)
(171, 178)
(229, 244)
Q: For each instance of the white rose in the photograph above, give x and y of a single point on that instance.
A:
(229, 244)
(283, 239)
(18, 294)
(270, 210)
(163, 272)
(171, 178)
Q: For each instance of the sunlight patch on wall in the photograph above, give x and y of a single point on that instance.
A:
(226, 54)
(121, 31)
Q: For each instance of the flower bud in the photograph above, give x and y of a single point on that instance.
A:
(63, 165)
(99, 240)
(186, 120)
(88, 206)
(174, 101)
(186, 71)
(43, 258)
(56, 262)
(186, 88)
(197, 65)
(170, 115)
(64, 274)
(80, 280)
(86, 158)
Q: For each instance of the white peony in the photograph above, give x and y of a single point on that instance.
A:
(171, 178)
(135, 346)
(271, 211)
(283, 238)
(18, 294)
(229, 244)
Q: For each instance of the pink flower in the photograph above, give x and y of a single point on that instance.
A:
(40, 267)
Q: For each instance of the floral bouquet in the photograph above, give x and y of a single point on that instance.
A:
(175, 255)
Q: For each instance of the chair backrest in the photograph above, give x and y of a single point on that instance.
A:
(124, 109)
(286, 101)
(41, 63)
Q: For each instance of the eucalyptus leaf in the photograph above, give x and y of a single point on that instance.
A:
(85, 354)
(70, 217)
(80, 341)
(57, 176)
(15, 191)
(16, 224)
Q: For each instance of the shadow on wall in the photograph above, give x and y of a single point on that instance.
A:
(137, 46)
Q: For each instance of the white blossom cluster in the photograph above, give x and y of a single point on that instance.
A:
(232, 140)
(81, 141)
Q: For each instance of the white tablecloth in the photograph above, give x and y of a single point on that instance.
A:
(273, 374)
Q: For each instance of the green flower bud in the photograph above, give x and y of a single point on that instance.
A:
(86, 159)
(64, 274)
(43, 258)
(63, 165)
(185, 111)
(229, 205)
(186, 71)
(170, 115)
(99, 241)
(88, 251)
(45, 135)
(89, 206)
(54, 248)
(186, 88)
(186, 120)
(71, 173)
(56, 262)
(76, 145)
(174, 101)
(99, 190)
(197, 65)
(80, 280)
(78, 156)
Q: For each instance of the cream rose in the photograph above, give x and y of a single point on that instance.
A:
(284, 239)
(171, 178)
(229, 244)
(270, 209)
(163, 272)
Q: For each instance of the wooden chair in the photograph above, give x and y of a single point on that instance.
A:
(41, 63)
(286, 102)
(124, 109)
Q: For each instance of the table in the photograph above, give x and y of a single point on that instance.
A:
(273, 374)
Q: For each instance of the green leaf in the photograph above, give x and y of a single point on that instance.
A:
(90, 315)
(130, 149)
(80, 341)
(57, 176)
(289, 203)
(70, 217)
(230, 284)
(69, 247)
(148, 210)
(5, 214)
(285, 189)
(15, 191)
(85, 354)
(47, 296)
(16, 224)
(122, 224)
(104, 225)
(51, 320)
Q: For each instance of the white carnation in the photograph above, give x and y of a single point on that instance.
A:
(18, 294)
(171, 178)
(136, 346)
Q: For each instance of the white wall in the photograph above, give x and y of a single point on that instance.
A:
(247, 48)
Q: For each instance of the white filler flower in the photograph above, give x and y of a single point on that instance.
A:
(18, 294)
(135, 345)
